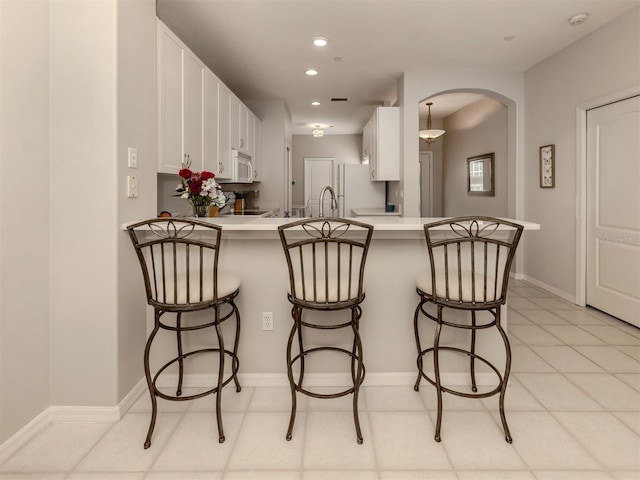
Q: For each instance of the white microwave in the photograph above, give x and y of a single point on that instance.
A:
(241, 167)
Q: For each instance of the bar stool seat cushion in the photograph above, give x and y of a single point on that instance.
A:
(228, 282)
(423, 283)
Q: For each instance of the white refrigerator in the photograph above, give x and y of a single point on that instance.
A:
(355, 190)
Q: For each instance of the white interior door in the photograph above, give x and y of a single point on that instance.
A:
(613, 209)
(426, 184)
(288, 176)
(318, 172)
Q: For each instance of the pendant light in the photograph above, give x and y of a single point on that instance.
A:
(430, 134)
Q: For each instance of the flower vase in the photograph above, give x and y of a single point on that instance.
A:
(200, 210)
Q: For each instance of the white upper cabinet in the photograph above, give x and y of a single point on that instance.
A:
(381, 143)
(199, 118)
(234, 119)
(224, 132)
(241, 131)
(180, 104)
(217, 150)
(255, 152)
(246, 130)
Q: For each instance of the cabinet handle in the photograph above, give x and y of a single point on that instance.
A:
(242, 142)
(221, 167)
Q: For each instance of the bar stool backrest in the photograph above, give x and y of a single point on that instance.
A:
(179, 261)
(470, 259)
(326, 259)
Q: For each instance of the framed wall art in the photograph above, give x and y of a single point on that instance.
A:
(548, 166)
(481, 176)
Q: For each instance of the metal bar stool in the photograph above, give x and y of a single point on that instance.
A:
(469, 263)
(179, 261)
(326, 259)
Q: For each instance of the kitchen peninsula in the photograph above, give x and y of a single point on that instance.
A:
(251, 248)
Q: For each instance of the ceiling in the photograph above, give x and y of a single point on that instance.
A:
(261, 48)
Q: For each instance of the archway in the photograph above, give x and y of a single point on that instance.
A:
(476, 124)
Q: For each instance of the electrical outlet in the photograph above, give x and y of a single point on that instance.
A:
(132, 186)
(267, 320)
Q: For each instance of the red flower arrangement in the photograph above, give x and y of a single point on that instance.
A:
(200, 188)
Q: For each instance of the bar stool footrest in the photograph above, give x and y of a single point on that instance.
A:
(495, 391)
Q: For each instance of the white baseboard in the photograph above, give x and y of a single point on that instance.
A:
(558, 293)
(23, 435)
(131, 397)
(70, 414)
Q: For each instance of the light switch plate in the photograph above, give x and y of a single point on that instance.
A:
(132, 157)
(132, 186)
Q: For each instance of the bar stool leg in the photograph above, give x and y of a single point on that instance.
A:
(295, 313)
(235, 362)
(416, 316)
(436, 368)
(220, 379)
(472, 354)
(150, 384)
(355, 315)
(180, 360)
(505, 379)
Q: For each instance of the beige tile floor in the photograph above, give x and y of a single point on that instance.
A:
(573, 408)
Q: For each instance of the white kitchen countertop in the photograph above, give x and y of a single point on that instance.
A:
(387, 226)
(373, 212)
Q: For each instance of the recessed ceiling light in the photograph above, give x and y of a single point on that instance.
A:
(578, 19)
(320, 41)
(315, 103)
(311, 72)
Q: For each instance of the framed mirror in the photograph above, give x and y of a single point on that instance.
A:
(480, 175)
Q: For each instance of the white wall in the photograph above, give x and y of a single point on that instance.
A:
(476, 129)
(78, 87)
(136, 97)
(344, 148)
(24, 200)
(275, 132)
(603, 63)
(83, 203)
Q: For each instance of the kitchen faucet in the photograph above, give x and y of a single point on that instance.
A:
(334, 203)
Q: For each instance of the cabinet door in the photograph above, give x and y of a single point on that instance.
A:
(234, 105)
(193, 73)
(373, 146)
(170, 50)
(211, 150)
(244, 143)
(224, 132)
(388, 144)
(381, 139)
(255, 156)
